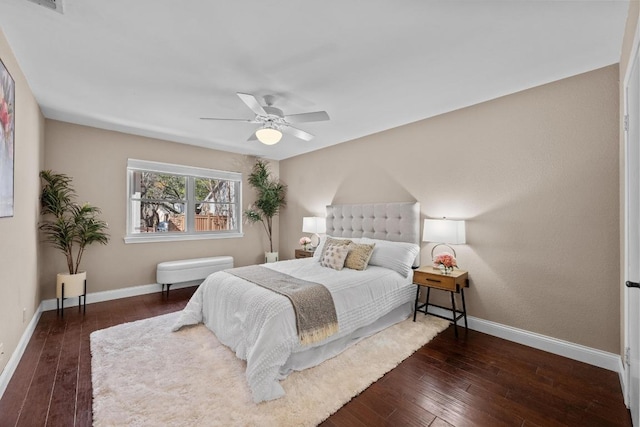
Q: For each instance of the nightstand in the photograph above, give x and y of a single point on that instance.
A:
(301, 253)
(454, 282)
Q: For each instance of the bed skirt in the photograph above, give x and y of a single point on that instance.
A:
(312, 356)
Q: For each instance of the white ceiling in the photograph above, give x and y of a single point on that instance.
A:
(154, 67)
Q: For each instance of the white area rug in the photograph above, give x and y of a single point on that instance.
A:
(145, 375)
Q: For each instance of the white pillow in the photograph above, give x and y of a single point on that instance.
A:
(318, 252)
(396, 256)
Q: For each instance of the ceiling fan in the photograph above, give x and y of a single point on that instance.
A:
(273, 121)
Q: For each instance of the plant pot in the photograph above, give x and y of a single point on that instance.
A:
(270, 256)
(74, 284)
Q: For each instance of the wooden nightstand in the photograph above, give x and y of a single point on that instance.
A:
(454, 282)
(301, 253)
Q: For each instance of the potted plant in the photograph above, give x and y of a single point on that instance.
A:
(69, 227)
(271, 196)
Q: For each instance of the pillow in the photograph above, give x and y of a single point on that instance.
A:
(334, 256)
(318, 251)
(359, 255)
(328, 240)
(396, 256)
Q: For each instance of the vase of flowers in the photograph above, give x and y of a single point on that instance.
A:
(305, 242)
(445, 262)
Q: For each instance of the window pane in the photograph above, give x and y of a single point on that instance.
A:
(214, 217)
(175, 202)
(215, 190)
(159, 186)
(158, 217)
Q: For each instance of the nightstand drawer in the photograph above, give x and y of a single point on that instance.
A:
(434, 281)
(428, 276)
(301, 253)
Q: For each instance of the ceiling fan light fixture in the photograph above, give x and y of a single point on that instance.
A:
(268, 135)
(272, 119)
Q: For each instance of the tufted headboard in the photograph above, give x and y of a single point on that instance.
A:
(397, 222)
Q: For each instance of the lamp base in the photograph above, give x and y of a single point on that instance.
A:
(315, 240)
(443, 244)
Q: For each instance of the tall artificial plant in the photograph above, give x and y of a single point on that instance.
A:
(67, 225)
(271, 196)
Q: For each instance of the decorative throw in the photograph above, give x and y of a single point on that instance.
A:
(313, 306)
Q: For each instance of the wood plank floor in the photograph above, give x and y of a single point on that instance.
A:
(474, 380)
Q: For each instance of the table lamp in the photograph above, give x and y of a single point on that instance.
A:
(444, 232)
(315, 225)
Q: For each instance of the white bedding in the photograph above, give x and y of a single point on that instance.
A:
(259, 325)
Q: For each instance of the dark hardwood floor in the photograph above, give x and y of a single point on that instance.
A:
(474, 380)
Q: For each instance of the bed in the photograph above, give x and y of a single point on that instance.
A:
(259, 325)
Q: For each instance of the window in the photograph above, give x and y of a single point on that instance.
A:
(173, 202)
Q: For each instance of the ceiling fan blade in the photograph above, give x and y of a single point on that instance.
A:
(229, 120)
(253, 137)
(252, 103)
(316, 116)
(297, 133)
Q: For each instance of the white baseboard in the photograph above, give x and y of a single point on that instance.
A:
(133, 291)
(623, 382)
(12, 364)
(592, 356)
(50, 304)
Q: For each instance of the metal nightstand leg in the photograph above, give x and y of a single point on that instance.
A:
(455, 316)
(424, 308)
(464, 308)
(426, 303)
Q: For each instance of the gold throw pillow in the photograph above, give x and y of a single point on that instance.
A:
(359, 255)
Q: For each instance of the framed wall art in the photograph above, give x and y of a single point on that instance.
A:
(7, 150)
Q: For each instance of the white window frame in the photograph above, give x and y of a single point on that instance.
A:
(190, 172)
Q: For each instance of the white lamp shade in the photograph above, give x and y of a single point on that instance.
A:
(444, 231)
(314, 224)
(268, 136)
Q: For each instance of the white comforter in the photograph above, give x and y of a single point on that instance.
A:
(259, 325)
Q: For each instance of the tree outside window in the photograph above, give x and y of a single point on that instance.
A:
(170, 203)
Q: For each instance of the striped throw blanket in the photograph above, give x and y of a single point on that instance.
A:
(315, 312)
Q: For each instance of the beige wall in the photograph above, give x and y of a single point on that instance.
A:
(627, 46)
(535, 174)
(19, 249)
(97, 160)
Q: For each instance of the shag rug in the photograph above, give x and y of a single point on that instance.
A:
(145, 375)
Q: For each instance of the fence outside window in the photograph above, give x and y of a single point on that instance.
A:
(173, 202)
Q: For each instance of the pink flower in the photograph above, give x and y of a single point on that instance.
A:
(445, 259)
(304, 241)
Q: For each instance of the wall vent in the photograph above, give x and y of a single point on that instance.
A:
(50, 4)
